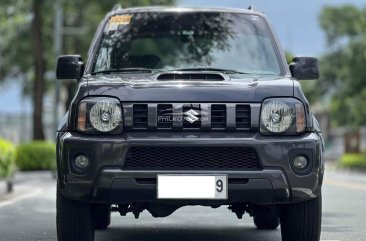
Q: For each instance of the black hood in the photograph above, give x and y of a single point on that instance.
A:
(145, 88)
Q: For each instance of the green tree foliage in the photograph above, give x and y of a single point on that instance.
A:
(22, 50)
(7, 158)
(36, 155)
(27, 41)
(353, 161)
(343, 68)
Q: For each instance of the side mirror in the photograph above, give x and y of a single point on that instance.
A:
(70, 67)
(305, 68)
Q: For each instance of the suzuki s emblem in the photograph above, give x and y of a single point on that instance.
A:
(191, 116)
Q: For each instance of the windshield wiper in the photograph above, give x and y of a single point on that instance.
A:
(123, 70)
(225, 71)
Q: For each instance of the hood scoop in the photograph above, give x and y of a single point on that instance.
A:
(191, 76)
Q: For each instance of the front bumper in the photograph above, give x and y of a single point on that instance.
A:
(108, 182)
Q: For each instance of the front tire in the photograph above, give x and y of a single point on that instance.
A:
(74, 220)
(302, 221)
(266, 218)
(102, 214)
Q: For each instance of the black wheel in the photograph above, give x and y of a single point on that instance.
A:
(302, 221)
(74, 220)
(102, 213)
(266, 218)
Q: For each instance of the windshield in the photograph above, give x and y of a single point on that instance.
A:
(181, 40)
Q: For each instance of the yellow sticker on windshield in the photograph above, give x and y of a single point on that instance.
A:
(115, 21)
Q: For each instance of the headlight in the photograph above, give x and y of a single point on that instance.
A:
(282, 116)
(99, 114)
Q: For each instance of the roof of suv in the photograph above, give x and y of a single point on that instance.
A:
(183, 9)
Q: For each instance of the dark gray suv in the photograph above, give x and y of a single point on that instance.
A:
(180, 107)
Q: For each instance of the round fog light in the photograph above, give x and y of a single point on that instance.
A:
(82, 162)
(300, 162)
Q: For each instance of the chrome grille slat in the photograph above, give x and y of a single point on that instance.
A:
(206, 121)
(177, 111)
(164, 123)
(152, 116)
(230, 117)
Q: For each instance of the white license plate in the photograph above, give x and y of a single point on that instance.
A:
(192, 187)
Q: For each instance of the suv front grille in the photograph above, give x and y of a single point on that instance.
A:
(190, 116)
(242, 116)
(218, 116)
(191, 158)
(140, 116)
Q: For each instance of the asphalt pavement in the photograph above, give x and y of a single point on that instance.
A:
(29, 215)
